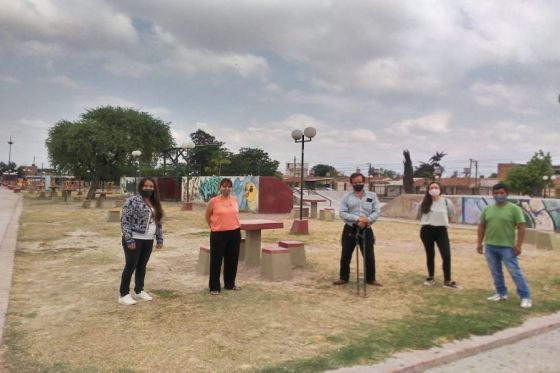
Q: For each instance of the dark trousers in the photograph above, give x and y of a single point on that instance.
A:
(135, 260)
(348, 241)
(431, 235)
(224, 246)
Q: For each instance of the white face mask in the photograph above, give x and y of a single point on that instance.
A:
(434, 192)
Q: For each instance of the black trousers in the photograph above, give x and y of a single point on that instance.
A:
(348, 242)
(135, 260)
(224, 246)
(431, 235)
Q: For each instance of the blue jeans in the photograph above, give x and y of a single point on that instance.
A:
(495, 255)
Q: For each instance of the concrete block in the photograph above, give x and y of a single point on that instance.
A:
(326, 214)
(548, 240)
(297, 252)
(276, 264)
(242, 250)
(86, 204)
(300, 227)
(104, 203)
(203, 265)
(114, 215)
(295, 212)
(530, 236)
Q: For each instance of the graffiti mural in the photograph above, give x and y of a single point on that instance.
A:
(245, 188)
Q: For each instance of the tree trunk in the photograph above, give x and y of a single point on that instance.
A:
(93, 187)
(408, 180)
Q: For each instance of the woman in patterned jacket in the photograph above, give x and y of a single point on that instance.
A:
(140, 224)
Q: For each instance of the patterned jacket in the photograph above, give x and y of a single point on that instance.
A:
(135, 217)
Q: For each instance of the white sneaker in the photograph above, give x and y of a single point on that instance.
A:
(143, 296)
(497, 298)
(429, 282)
(127, 300)
(526, 303)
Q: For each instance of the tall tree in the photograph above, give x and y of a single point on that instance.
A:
(98, 146)
(323, 170)
(527, 179)
(408, 179)
(207, 154)
(432, 168)
(252, 161)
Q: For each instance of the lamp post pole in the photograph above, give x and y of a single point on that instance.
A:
(136, 154)
(300, 136)
(10, 152)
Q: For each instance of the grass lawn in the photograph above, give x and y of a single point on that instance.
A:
(63, 314)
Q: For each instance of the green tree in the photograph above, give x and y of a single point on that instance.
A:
(323, 170)
(252, 161)
(527, 179)
(206, 156)
(5, 167)
(408, 174)
(98, 146)
(432, 168)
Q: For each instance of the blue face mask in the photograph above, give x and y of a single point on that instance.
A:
(500, 199)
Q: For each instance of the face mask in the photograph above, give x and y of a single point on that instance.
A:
(434, 192)
(146, 193)
(500, 199)
(358, 187)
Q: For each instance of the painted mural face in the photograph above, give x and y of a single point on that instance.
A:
(250, 193)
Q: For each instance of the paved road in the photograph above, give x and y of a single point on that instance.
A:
(10, 210)
(540, 353)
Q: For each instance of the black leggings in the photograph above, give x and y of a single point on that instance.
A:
(431, 235)
(135, 260)
(224, 246)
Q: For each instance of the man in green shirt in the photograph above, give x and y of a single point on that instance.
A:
(497, 227)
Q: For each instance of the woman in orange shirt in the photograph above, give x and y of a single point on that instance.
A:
(222, 216)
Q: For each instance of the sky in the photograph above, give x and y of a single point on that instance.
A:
(474, 79)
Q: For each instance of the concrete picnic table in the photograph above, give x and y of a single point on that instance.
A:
(313, 201)
(253, 228)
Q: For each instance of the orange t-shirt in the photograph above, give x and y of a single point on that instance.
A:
(225, 214)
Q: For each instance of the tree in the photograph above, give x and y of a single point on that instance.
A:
(252, 161)
(207, 153)
(4, 167)
(98, 146)
(527, 179)
(323, 170)
(431, 168)
(408, 180)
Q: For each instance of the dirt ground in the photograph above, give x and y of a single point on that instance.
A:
(64, 312)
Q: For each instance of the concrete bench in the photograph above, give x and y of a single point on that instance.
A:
(295, 212)
(276, 264)
(114, 215)
(104, 203)
(548, 240)
(203, 265)
(530, 236)
(297, 252)
(326, 214)
(242, 249)
(86, 204)
(187, 206)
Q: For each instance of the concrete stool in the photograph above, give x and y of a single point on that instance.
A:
(326, 214)
(530, 236)
(203, 266)
(42, 195)
(242, 249)
(16, 190)
(187, 206)
(86, 204)
(276, 264)
(105, 203)
(548, 240)
(297, 252)
(114, 215)
(295, 212)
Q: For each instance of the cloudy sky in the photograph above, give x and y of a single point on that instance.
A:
(475, 79)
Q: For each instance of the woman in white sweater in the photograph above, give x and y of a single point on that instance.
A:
(434, 213)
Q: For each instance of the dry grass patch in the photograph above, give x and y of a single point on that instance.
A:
(64, 313)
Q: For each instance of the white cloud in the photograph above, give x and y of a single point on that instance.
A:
(434, 123)
(61, 80)
(8, 79)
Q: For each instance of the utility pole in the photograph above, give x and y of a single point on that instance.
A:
(10, 153)
(475, 163)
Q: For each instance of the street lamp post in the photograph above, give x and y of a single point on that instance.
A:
(10, 152)
(300, 137)
(136, 154)
(548, 181)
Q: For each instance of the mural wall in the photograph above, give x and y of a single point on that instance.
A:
(202, 188)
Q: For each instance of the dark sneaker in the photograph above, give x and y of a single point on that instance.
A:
(429, 282)
(451, 285)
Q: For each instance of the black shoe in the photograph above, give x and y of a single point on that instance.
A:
(235, 288)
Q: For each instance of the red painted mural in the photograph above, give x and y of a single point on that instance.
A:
(275, 197)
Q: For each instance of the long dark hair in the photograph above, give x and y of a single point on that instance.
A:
(154, 198)
(427, 201)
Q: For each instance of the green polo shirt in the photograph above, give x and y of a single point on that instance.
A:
(501, 222)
